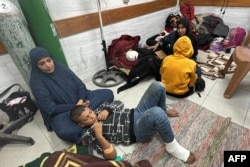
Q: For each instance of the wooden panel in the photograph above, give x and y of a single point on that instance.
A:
(231, 3)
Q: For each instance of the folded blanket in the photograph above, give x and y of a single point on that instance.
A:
(212, 64)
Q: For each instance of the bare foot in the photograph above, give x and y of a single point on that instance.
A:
(172, 113)
(191, 159)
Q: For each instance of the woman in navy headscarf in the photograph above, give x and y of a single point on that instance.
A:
(57, 90)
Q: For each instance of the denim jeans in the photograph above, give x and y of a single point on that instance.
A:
(150, 115)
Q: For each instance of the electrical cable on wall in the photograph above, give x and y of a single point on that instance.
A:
(224, 7)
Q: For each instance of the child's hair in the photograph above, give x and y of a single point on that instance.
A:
(76, 112)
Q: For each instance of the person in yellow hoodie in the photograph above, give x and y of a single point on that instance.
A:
(178, 71)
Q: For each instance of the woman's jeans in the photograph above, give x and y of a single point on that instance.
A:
(150, 115)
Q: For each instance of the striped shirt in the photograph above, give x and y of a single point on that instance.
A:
(116, 128)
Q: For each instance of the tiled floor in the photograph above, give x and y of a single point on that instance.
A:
(237, 108)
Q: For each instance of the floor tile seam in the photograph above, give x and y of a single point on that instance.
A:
(228, 101)
(248, 112)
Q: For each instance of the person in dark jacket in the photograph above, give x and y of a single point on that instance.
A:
(170, 25)
(57, 90)
(166, 44)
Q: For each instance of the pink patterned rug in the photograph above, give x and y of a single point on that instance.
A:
(205, 133)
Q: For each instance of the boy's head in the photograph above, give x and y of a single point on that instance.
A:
(83, 115)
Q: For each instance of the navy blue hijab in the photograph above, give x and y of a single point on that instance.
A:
(57, 92)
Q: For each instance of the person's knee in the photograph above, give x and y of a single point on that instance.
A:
(62, 134)
(157, 86)
(102, 95)
(109, 95)
(157, 112)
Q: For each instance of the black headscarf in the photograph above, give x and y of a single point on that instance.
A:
(186, 24)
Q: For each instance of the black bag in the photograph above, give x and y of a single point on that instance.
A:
(142, 70)
(221, 30)
(204, 40)
(17, 104)
(199, 85)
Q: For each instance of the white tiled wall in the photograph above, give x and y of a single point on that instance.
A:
(66, 9)
(9, 73)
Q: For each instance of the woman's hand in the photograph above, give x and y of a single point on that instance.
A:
(103, 115)
(154, 47)
(82, 102)
(86, 102)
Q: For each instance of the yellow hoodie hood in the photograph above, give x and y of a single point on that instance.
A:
(183, 47)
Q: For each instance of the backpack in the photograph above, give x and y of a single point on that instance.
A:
(118, 48)
(221, 30)
(206, 23)
(204, 40)
(200, 85)
(234, 37)
(187, 10)
(148, 65)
